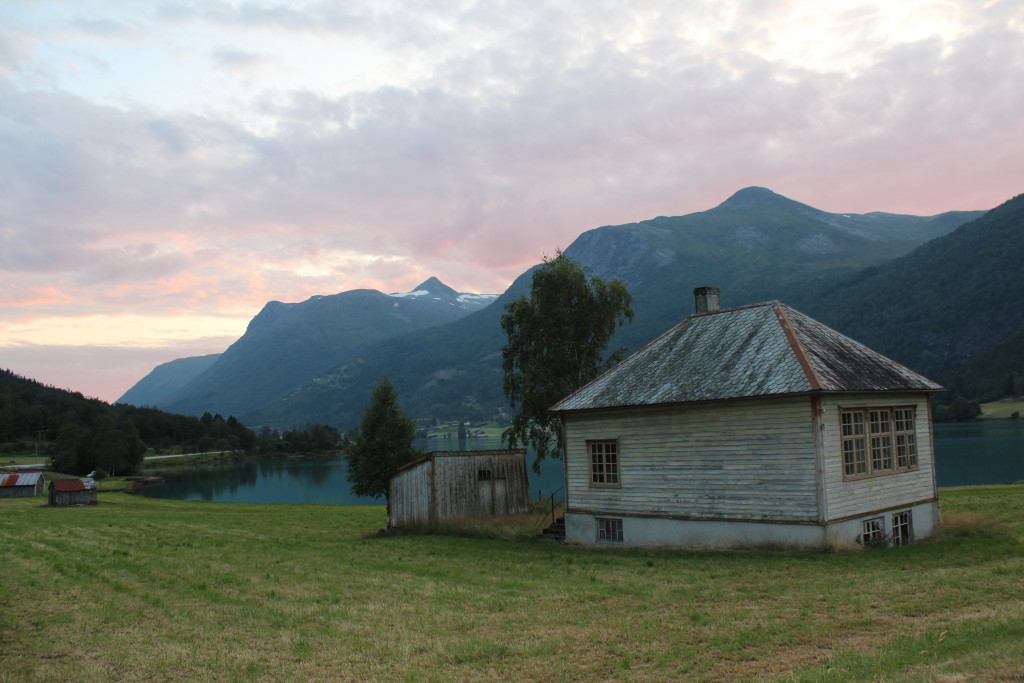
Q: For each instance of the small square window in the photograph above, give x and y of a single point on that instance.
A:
(609, 530)
(874, 532)
(484, 475)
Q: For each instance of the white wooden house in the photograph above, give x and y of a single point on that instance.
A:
(750, 426)
(451, 484)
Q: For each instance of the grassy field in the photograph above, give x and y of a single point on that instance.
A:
(138, 588)
(1001, 410)
(23, 459)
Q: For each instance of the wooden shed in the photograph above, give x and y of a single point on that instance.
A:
(22, 485)
(67, 492)
(452, 484)
(750, 426)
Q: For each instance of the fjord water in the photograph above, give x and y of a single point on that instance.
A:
(323, 481)
(988, 452)
(974, 453)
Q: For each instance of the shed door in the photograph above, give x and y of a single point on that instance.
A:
(485, 495)
(491, 493)
(500, 496)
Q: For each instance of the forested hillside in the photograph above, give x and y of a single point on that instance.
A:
(83, 434)
(952, 309)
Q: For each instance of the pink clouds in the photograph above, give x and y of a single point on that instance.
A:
(489, 137)
(33, 297)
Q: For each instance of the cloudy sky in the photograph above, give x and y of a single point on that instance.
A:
(168, 167)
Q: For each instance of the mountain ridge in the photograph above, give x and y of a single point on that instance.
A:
(454, 369)
(286, 344)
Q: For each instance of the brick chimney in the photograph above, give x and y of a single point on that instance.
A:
(707, 299)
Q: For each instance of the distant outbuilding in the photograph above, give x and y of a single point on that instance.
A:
(446, 485)
(68, 492)
(22, 485)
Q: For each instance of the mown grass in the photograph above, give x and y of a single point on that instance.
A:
(1002, 410)
(23, 459)
(138, 588)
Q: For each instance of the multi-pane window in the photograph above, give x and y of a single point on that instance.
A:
(881, 440)
(906, 443)
(877, 441)
(609, 529)
(855, 459)
(902, 533)
(874, 531)
(604, 463)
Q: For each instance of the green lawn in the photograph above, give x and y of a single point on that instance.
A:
(1001, 410)
(22, 459)
(138, 588)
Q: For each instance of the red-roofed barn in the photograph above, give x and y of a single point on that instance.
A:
(66, 492)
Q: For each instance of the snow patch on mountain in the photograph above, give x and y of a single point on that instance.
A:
(476, 297)
(442, 293)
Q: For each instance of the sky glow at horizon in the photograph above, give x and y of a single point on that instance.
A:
(170, 167)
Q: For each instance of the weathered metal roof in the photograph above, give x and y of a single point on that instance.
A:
(442, 454)
(68, 485)
(765, 349)
(25, 479)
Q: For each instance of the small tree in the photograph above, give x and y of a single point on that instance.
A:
(556, 343)
(382, 444)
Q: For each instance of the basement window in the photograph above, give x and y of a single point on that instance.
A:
(609, 530)
(604, 463)
(879, 440)
(485, 475)
(874, 532)
(902, 531)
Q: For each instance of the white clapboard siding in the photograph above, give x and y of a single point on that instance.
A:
(848, 498)
(727, 460)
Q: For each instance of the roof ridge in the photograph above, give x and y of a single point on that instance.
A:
(730, 309)
(797, 345)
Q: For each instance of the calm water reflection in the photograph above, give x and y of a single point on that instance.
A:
(976, 453)
(308, 481)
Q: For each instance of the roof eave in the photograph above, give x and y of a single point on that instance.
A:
(728, 399)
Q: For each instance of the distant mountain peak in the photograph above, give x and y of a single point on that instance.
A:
(755, 196)
(435, 286)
